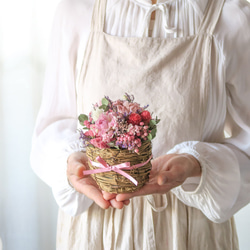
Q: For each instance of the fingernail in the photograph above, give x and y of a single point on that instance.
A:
(163, 180)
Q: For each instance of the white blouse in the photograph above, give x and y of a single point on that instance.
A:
(224, 186)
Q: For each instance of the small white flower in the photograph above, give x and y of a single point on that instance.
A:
(96, 114)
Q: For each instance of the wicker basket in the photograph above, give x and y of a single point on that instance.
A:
(113, 182)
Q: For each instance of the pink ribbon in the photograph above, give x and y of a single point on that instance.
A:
(105, 167)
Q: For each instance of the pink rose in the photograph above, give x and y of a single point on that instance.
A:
(86, 123)
(94, 129)
(118, 102)
(132, 106)
(122, 109)
(97, 142)
(89, 133)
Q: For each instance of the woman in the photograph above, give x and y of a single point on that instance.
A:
(189, 61)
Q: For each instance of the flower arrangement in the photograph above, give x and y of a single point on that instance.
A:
(120, 124)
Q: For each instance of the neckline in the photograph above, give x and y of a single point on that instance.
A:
(199, 5)
(206, 27)
(199, 30)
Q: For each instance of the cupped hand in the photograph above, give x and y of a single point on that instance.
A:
(77, 163)
(167, 172)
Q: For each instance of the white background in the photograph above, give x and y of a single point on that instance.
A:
(28, 212)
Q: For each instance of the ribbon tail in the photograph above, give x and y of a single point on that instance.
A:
(127, 176)
(140, 164)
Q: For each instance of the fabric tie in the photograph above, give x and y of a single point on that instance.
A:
(165, 16)
(105, 167)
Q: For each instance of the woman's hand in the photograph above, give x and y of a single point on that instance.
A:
(77, 163)
(167, 172)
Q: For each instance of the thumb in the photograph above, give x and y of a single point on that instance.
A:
(79, 170)
(162, 178)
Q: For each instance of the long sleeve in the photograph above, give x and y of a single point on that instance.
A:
(224, 186)
(55, 135)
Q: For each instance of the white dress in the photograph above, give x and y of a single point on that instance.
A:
(222, 189)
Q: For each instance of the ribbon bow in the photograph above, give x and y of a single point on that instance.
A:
(163, 7)
(105, 167)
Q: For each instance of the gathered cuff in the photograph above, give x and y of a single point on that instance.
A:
(211, 193)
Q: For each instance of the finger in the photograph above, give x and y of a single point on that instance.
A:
(170, 179)
(76, 170)
(162, 178)
(108, 196)
(93, 193)
(126, 202)
(124, 197)
(147, 189)
(77, 163)
(79, 171)
(116, 204)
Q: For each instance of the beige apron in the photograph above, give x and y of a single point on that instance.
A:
(172, 76)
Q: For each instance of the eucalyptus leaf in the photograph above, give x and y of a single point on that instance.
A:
(105, 101)
(82, 118)
(152, 123)
(111, 144)
(153, 133)
(104, 107)
(150, 137)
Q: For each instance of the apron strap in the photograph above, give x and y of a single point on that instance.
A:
(98, 16)
(211, 16)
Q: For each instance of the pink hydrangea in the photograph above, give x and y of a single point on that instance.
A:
(108, 137)
(102, 123)
(105, 123)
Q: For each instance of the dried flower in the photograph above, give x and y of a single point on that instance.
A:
(120, 124)
(146, 116)
(134, 119)
(96, 114)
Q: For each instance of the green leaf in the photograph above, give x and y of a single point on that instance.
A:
(157, 120)
(82, 118)
(105, 101)
(112, 145)
(152, 123)
(104, 107)
(150, 137)
(152, 134)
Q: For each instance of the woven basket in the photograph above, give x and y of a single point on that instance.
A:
(113, 182)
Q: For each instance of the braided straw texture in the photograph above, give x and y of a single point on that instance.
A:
(113, 182)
